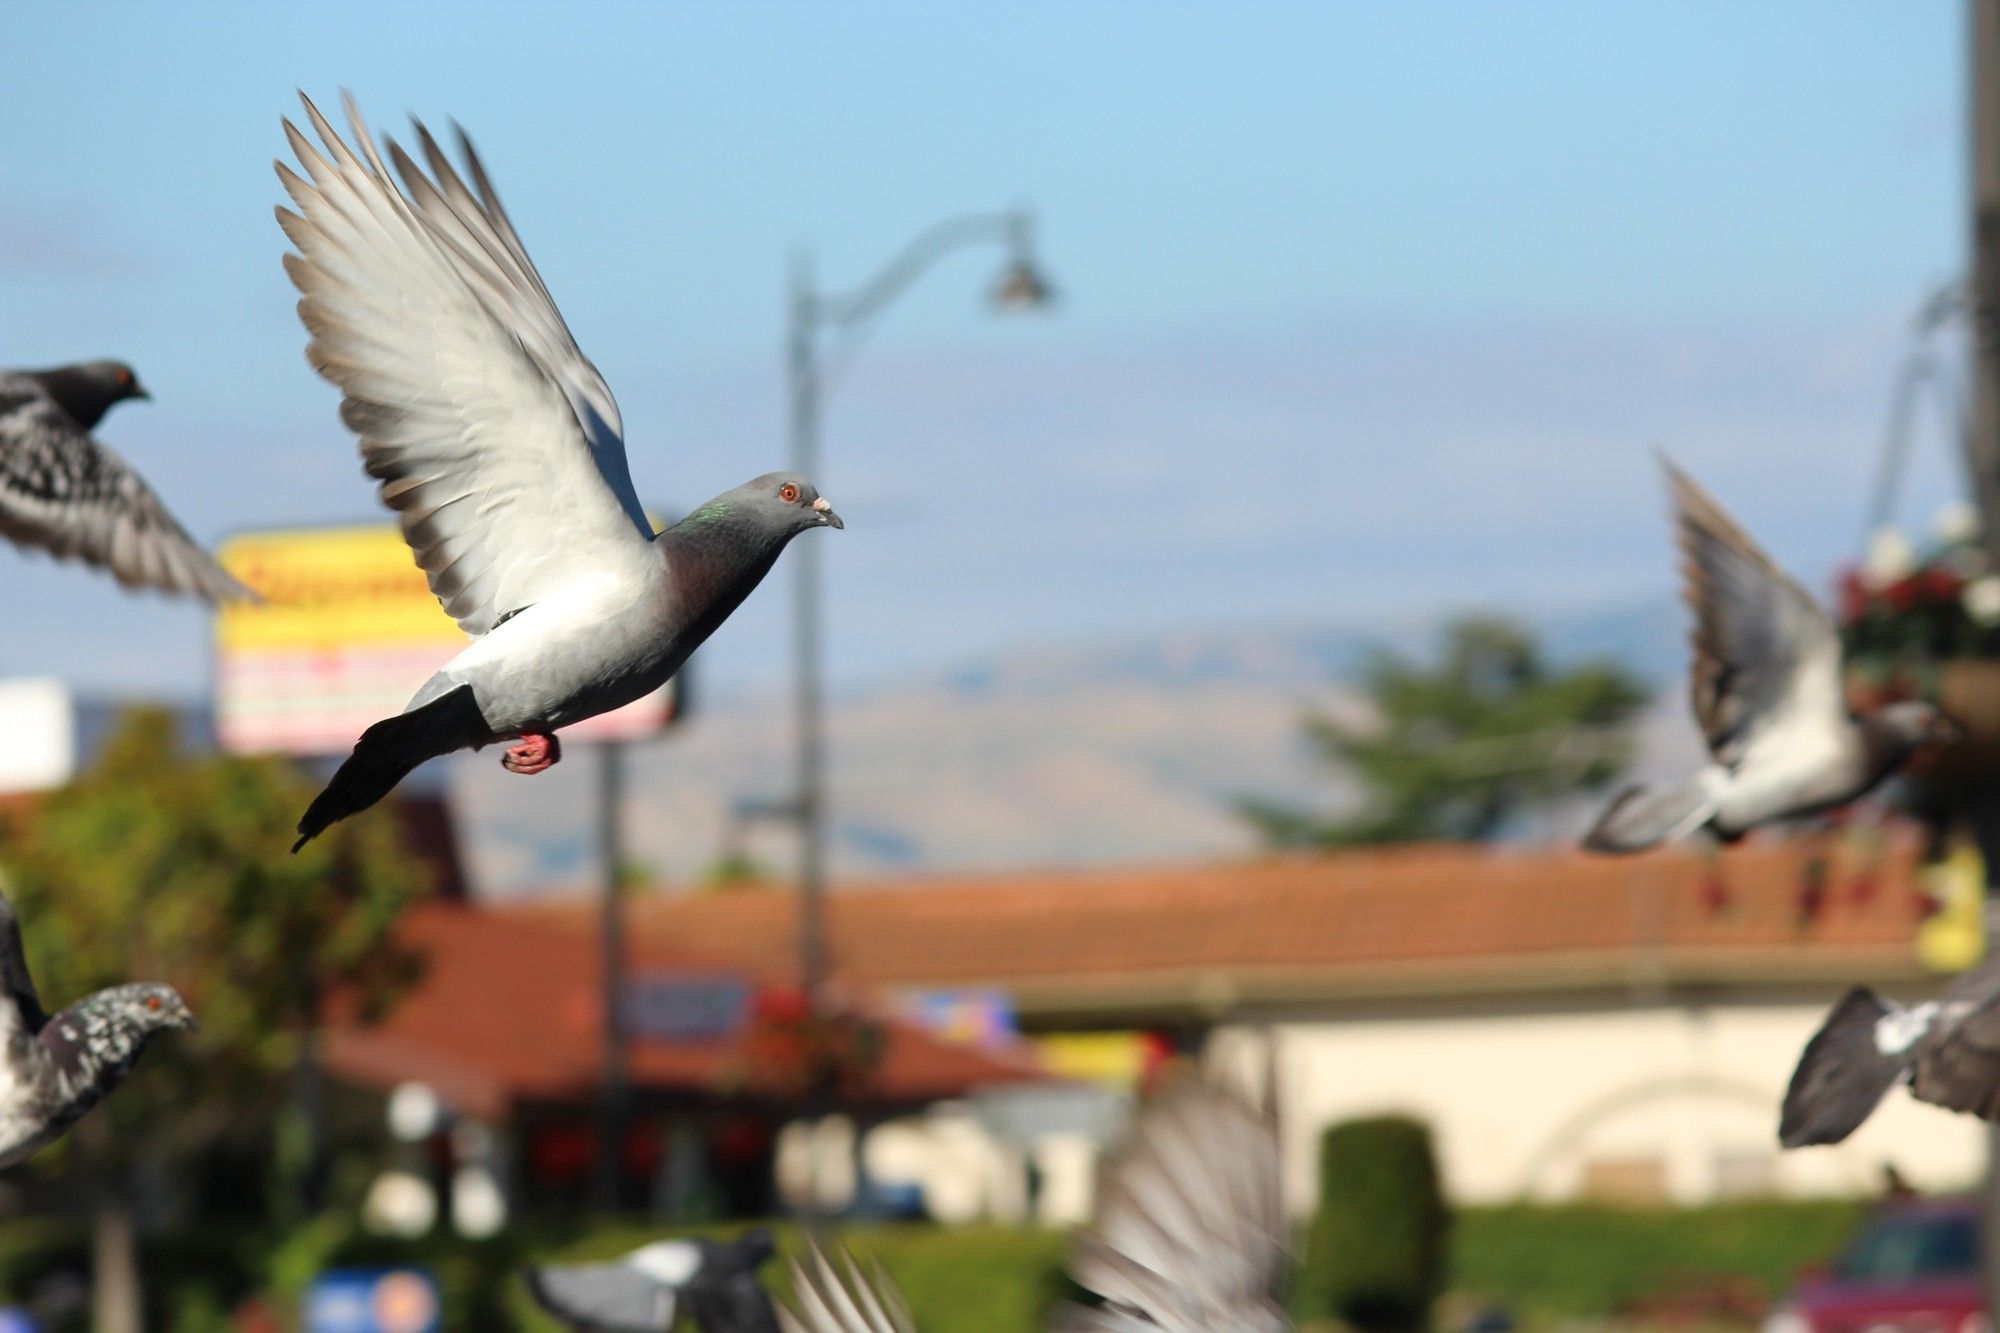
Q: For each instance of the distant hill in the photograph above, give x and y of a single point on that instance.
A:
(1124, 751)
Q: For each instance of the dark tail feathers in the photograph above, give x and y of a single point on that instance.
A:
(387, 752)
(1843, 1074)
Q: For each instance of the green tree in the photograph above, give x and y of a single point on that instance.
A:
(160, 865)
(1454, 749)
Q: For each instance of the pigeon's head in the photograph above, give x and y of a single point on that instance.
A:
(142, 1008)
(118, 381)
(788, 503)
(87, 391)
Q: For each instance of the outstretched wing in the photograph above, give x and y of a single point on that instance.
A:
(1190, 1227)
(20, 1008)
(830, 1300)
(64, 493)
(603, 1298)
(1763, 648)
(496, 442)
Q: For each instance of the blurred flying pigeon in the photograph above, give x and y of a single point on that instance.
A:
(1190, 1231)
(53, 1070)
(1767, 692)
(1947, 1049)
(500, 449)
(64, 493)
(1189, 1234)
(714, 1284)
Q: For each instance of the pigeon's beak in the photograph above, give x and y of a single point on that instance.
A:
(185, 1020)
(1944, 731)
(139, 391)
(827, 517)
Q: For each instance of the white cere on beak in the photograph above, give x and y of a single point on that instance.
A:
(821, 505)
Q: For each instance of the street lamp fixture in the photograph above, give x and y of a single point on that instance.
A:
(814, 315)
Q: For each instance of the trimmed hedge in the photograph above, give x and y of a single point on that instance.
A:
(1375, 1256)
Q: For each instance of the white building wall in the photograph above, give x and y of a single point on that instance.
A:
(1545, 1105)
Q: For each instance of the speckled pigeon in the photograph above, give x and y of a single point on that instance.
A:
(713, 1284)
(1189, 1234)
(1767, 691)
(54, 1069)
(499, 448)
(64, 493)
(1947, 1049)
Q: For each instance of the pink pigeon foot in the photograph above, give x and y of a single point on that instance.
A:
(537, 753)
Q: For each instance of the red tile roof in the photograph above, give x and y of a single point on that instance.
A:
(1404, 921)
(508, 1010)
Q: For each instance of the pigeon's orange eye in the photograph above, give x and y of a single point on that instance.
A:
(124, 377)
(788, 493)
(152, 1001)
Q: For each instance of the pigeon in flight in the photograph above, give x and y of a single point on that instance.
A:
(1947, 1049)
(713, 1284)
(1767, 692)
(64, 493)
(499, 448)
(1189, 1234)
(54, 1069)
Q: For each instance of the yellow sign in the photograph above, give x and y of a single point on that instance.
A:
(347, 632)
(1117, 1058)
(1953, 938)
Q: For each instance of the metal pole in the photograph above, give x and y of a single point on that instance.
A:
(1982, 445)
(803, 362)
(1982, 454)
(615, 1096)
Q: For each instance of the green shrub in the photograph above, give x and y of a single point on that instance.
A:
(1375, 1255)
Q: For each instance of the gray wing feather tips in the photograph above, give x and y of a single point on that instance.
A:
(842, 1299)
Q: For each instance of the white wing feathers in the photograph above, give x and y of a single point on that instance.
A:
(496, 442)
(830, 1301)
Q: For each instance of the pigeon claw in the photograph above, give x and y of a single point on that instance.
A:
(537, 753)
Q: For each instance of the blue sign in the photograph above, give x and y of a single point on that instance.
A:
(686, 1006)
(373, 1300)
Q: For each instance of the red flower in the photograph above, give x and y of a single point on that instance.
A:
(1942, 584)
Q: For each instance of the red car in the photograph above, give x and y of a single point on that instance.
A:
(1913, 1269)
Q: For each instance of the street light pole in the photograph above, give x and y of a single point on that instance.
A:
(802, 362)
(810, 314)
(1982, 452)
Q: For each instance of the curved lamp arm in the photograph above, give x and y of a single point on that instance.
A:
(856, 307)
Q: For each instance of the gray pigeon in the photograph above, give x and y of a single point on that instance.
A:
(1189, 1234)
(501, 451)
(64, 493)
(1947, 1049)
(714, 1284)
(1767, 692)
(53, 1070)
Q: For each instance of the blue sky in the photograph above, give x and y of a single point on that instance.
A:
(1369, 309)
